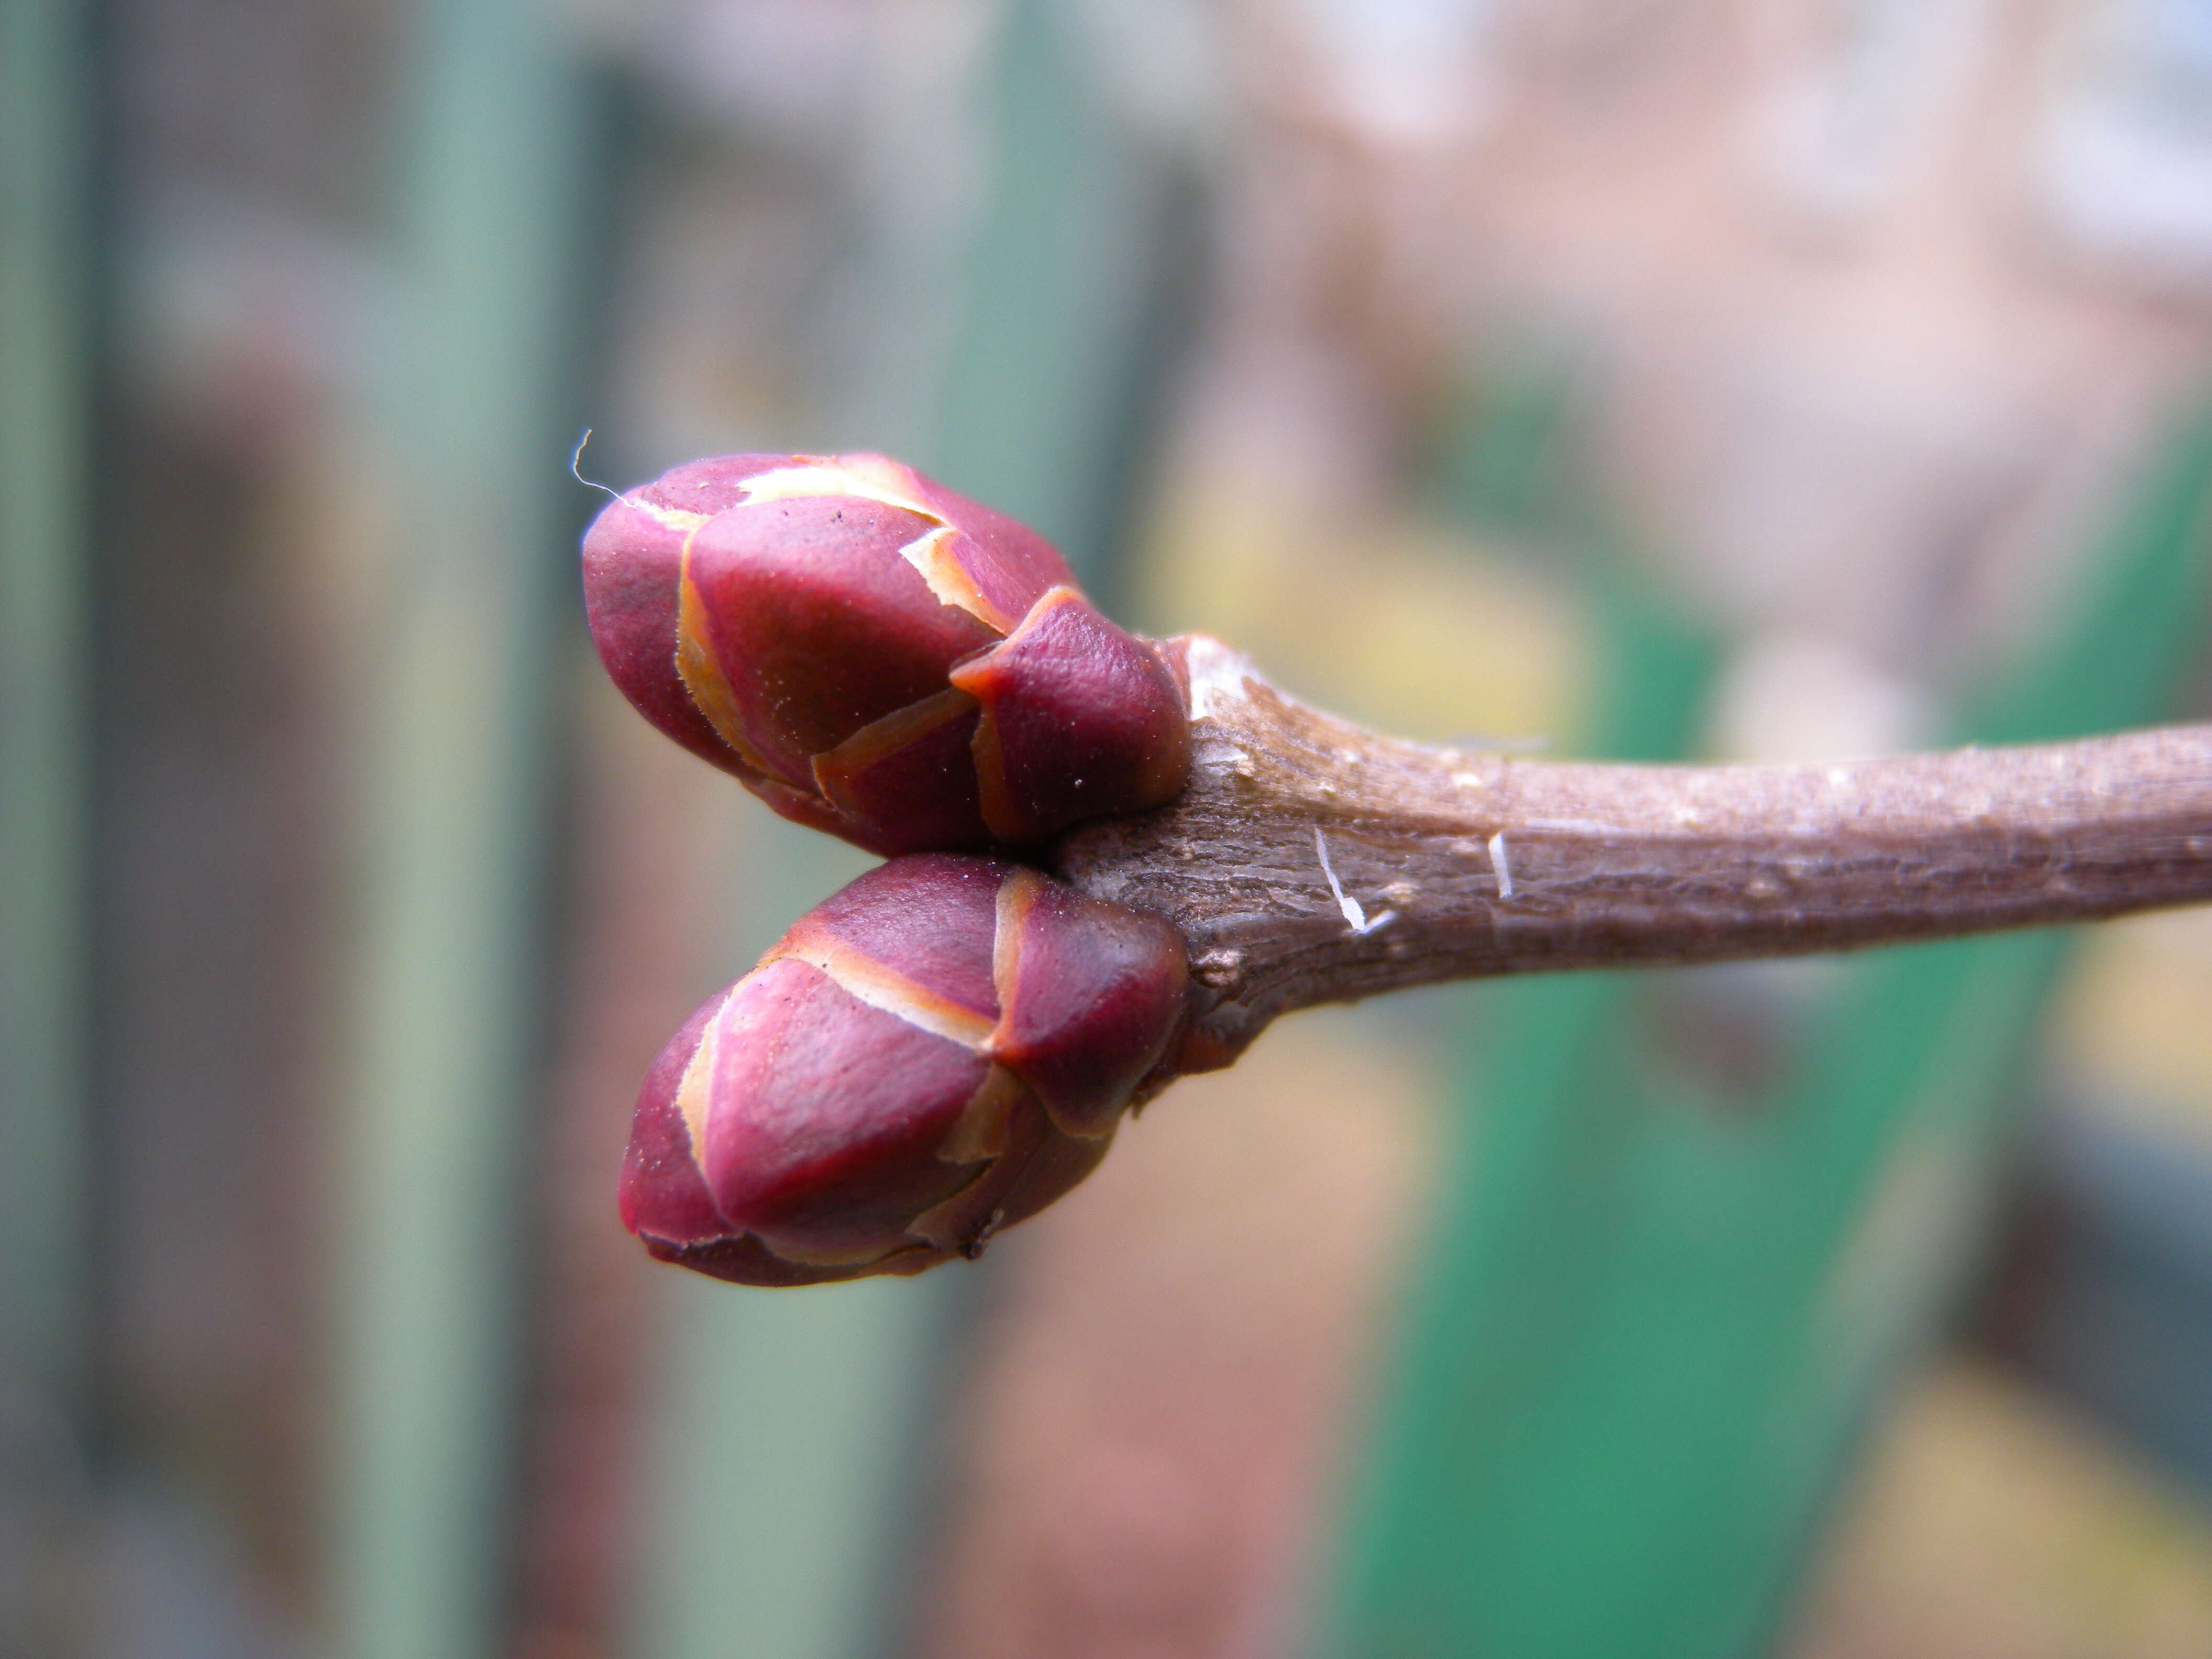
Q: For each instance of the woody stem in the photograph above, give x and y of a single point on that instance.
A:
(1492, 864)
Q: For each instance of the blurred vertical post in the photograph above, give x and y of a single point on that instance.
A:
(1072, 285)
(452, 823)
(45, 363)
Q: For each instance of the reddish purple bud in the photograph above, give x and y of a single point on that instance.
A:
(877, 656)
(1051, 750)
(937, 1052)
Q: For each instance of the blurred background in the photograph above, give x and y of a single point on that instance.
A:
(1753, 379)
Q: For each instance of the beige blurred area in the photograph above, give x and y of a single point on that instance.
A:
(2131, 1019)
(1393, 341)
(1992, 1524)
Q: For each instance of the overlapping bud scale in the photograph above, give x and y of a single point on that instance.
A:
(877, 656)
(937, 1052)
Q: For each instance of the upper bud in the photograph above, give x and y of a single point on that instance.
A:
(937, 1052)
(877, 656)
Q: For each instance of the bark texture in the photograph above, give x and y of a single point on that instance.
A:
(1310, 860)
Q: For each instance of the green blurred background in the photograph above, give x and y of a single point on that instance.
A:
(1722, 379)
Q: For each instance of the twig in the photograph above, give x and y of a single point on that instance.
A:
(1491, 864)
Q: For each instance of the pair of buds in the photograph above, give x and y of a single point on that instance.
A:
(948, 1044)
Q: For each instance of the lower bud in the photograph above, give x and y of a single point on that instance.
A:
(937, 1052)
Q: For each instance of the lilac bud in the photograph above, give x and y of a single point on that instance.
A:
(937, 1052)
(877, 656)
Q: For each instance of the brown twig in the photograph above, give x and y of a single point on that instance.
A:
(1312, 862)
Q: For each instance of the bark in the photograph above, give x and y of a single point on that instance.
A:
(1455, 863)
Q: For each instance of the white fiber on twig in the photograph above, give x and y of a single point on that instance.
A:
(1355, 913)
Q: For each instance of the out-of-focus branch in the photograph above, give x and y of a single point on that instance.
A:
(1312, 862)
